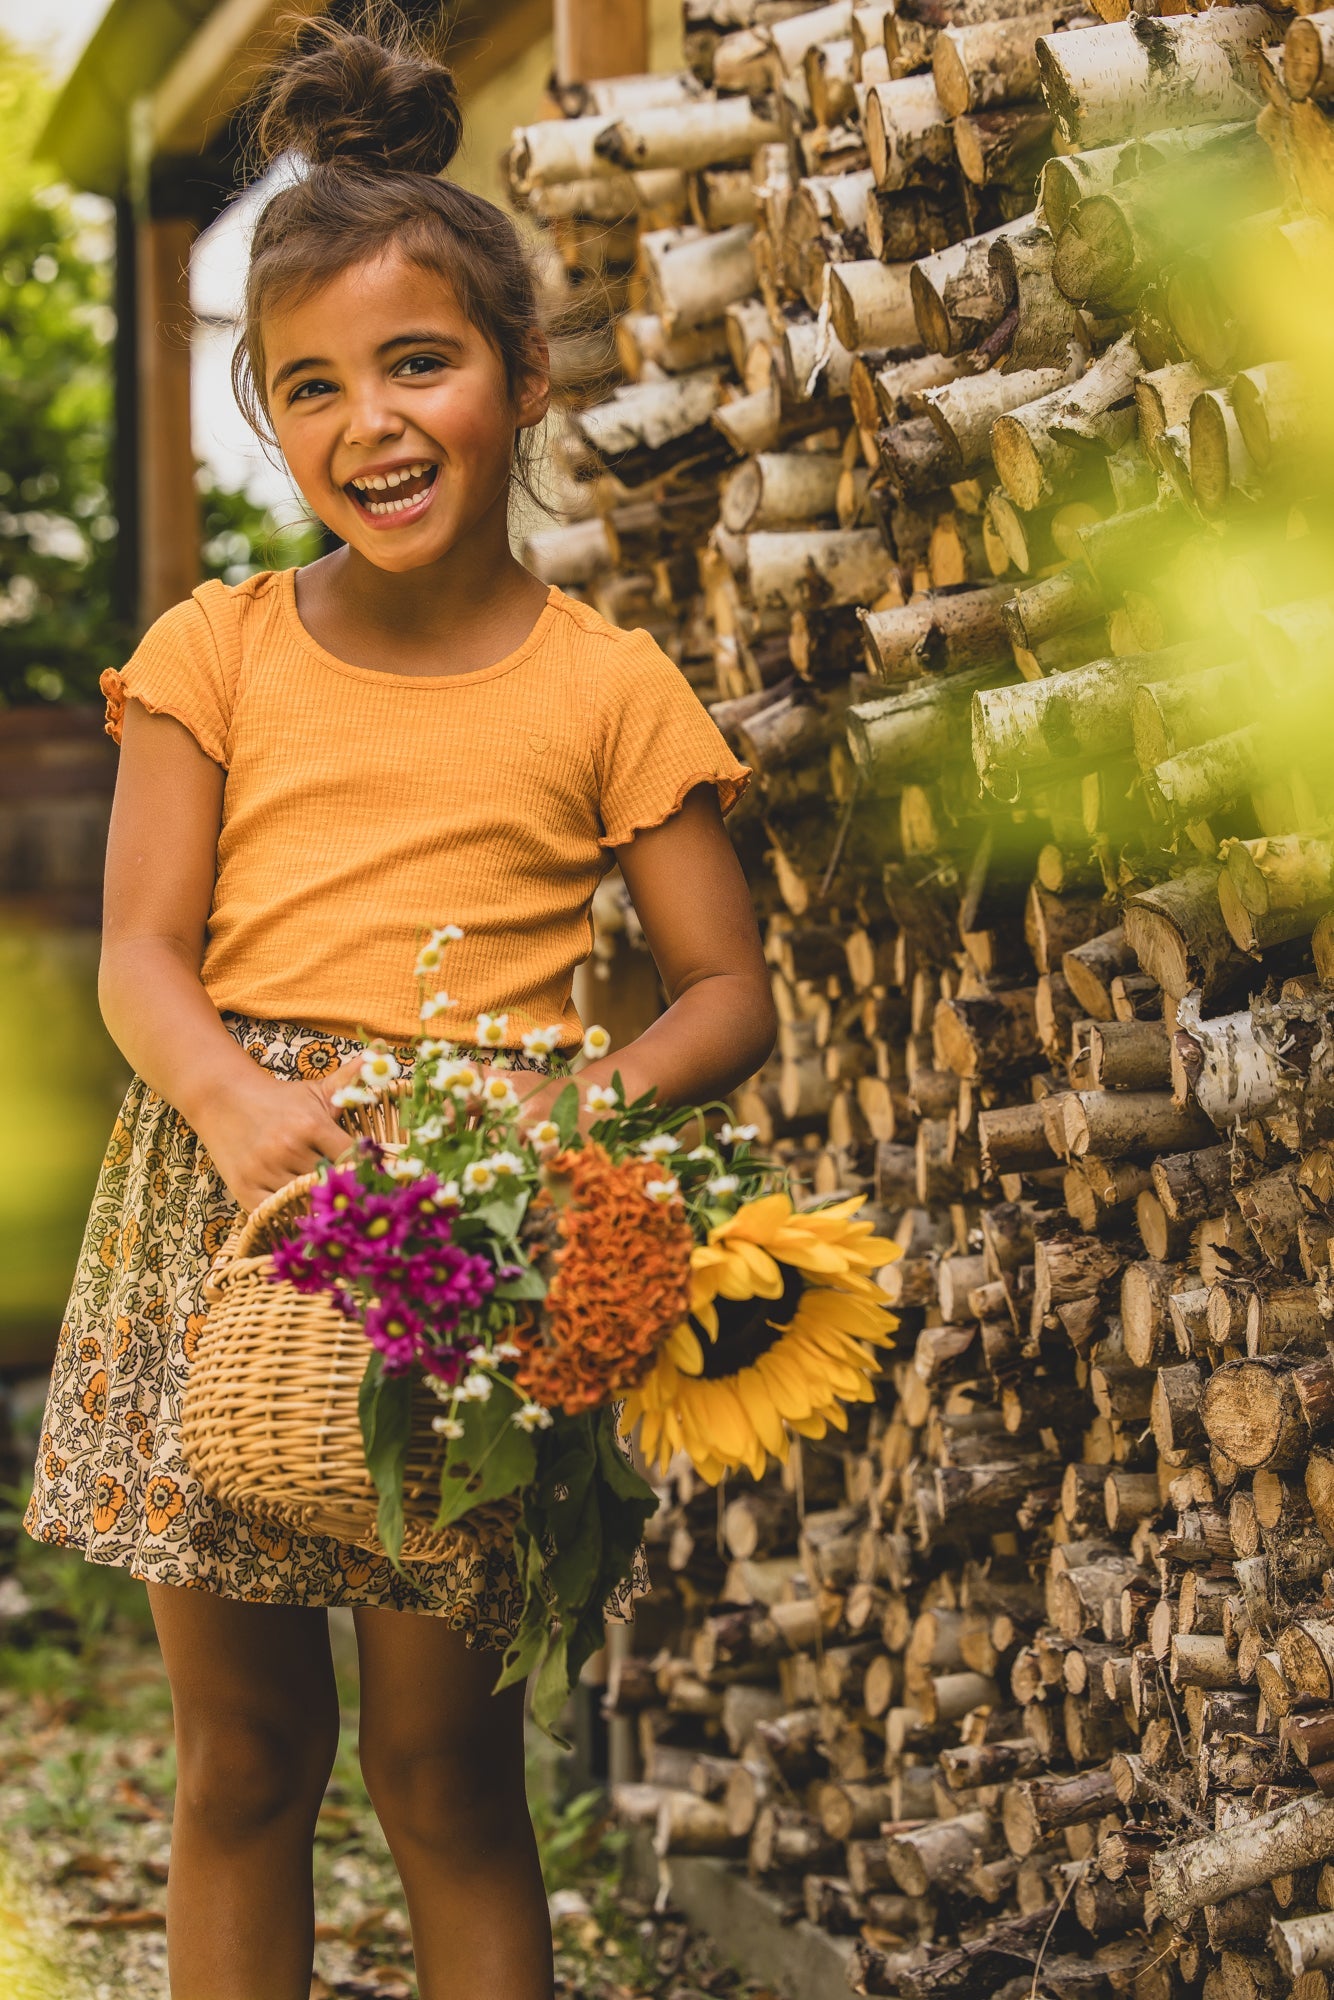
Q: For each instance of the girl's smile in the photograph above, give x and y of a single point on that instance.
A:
(391, 496)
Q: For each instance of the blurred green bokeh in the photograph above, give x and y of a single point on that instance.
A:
(63, 1082)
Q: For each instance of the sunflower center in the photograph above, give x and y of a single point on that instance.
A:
(744, 1328)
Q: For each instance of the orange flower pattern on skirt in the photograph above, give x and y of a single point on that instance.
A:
(111, 1479)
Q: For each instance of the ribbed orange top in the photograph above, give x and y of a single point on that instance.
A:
(361, 808)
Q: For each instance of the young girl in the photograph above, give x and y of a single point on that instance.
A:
(315, 768)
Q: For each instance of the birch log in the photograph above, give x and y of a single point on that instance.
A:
(988, 63)
(1142, 74)
(708, 133)
(1199, 1872)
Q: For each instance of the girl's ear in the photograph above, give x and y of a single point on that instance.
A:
(532, 396)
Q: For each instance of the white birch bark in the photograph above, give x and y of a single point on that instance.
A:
(817, 568)
(870, 304)
(711, 133)
(1141, 74)
(1197, 1873)
(694, 282)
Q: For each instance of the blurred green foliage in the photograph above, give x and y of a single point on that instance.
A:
(58, 533)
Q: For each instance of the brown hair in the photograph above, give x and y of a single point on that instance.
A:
(377, 120)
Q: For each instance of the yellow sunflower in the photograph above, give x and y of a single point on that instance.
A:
(768, 1369)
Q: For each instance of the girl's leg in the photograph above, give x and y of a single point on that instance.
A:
(443, 1762)
(256, 1713)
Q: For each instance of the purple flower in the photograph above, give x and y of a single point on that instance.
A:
(445, 1363)
(395, 1332)
(395, 1246)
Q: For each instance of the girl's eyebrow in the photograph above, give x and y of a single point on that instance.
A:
(425, 339)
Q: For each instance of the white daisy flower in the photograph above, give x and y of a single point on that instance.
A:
(736, 1135)
(545, 1138)
(439, 1003)
(404, 1167)
(491, 1030)
(429, 1130)
(460, 1079)
(659, 1146)
(600, 1097)
(379, 1068)
(450, 1191)
(447, 933)
(430, 1050)
(430, 958)
(351, 1093)
(498, 1094)
(541, 1041)
(447, 1427)
(532, 1417)
(478, 1178)
(663, 1191)
(476, 1387)
(702, 1155)
(723, 1184)
(505, 1165)
(596, 1041)
(505, 1350)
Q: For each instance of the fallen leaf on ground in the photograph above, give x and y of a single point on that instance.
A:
(366, 1927)
(92, 1866)
(120, 1920)
(135, 1804)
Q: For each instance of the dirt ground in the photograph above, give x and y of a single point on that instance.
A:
(86, 1773)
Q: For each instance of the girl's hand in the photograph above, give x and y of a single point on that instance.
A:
(265, 1132)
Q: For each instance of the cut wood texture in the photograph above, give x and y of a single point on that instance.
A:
(951, 440)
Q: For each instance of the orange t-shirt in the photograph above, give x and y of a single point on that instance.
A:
(361, 809)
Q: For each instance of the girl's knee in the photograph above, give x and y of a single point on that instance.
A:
(452, 1796)
(239, 1774)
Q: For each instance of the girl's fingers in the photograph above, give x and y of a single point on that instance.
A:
(348, 1071)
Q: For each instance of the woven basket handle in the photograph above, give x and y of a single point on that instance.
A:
(248, 1236)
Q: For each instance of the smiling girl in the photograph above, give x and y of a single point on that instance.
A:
(317, 767)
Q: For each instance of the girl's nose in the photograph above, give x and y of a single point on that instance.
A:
(370, 420)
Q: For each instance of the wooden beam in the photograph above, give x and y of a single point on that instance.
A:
(168, 505)
(486, 39)
(219, 67)
(600, 38)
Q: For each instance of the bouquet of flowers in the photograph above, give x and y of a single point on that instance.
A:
(558, 1283)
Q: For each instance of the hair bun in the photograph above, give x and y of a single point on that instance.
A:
(345, 99)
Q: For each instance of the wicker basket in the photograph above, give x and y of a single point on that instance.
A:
(269, 1423)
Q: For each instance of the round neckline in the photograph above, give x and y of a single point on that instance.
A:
(310, 644)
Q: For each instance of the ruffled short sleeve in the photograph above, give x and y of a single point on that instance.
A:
(656, 742)
(179, 669)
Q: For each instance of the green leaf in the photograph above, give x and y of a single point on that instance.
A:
(565, 1113)
(532, 1285)
(621, 1476)
(503, 1213)
(384, 1405)
(551, 1689)
(491, 1460)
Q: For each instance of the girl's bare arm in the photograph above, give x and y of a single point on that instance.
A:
(161, 860)
(691, 897)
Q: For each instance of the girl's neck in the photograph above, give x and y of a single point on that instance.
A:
(469, 609)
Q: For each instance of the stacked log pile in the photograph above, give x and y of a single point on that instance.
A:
(964, 450)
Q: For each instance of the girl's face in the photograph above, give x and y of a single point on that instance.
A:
(393, 412)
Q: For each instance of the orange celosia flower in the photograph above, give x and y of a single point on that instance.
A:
(622, 1282)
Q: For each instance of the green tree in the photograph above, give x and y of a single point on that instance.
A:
(58, 536)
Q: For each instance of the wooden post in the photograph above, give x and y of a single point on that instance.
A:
(125, 460)
(600, 38)
(168, 508)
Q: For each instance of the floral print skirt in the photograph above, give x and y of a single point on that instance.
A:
(111, 1479)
